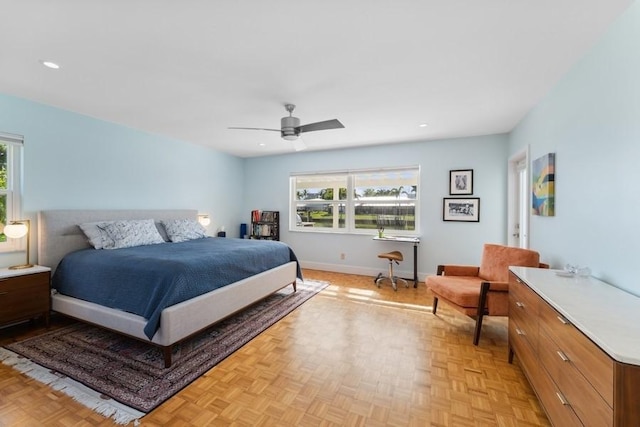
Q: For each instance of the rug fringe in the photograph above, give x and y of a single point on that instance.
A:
(119, 413)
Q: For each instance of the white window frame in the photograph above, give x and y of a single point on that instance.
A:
(350, 202)
(13, 192)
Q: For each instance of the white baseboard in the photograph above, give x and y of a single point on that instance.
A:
(363, 271)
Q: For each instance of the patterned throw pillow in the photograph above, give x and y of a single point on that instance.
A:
(129, 233)
(181, 230)
(95, 234)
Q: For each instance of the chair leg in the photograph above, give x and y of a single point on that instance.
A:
(484, 290)
(476, 334)
(435, 299)
(391, 276)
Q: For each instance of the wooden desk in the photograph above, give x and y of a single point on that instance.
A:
(406, 239)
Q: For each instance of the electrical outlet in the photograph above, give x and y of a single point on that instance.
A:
(343, 255)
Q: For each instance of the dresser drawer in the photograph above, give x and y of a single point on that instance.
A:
(17, 282)
(523, 297)
(526, 354)
(554, 403)
(584, 355)
(24, 297)
(585, 401)
(523, 309)
(523, 301)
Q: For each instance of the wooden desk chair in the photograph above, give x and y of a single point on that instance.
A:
(393, 256)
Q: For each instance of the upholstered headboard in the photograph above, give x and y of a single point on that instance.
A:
(59, 234)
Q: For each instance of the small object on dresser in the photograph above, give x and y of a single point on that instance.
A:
(564, 273)
(571, 270)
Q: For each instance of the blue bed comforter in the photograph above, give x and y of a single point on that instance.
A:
(144, 280)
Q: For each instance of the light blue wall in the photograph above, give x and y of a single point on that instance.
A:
(73, 161)
(77, 162)
(267, 188)
(591, 120)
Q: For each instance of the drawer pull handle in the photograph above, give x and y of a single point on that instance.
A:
(563, 320)
(519, 304)
(4, 293)
(518, 280)
(520, 331)
(562, 356)
(562, 398)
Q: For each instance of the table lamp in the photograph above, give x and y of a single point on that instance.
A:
(17, 230)
(204, 220)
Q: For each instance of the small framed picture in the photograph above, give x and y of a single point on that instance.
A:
(461, 182)
(458, 209)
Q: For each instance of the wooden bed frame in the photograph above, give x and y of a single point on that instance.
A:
(59, 234)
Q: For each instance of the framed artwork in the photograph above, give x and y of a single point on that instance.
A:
(543, 181)
(461, 182)
(458, 209)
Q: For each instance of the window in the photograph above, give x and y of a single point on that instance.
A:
(356, 201)
(10, 185)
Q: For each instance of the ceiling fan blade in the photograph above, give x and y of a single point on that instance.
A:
(327, 124)
(274, 130)
(299, 145)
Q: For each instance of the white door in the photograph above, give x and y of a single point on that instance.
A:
(518, 200)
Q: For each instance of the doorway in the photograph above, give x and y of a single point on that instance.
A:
(518, 200)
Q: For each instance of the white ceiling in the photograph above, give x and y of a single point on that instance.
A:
(190, 69)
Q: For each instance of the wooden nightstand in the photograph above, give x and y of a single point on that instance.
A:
(24, 294)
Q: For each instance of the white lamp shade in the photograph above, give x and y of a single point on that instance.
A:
(204, 220)
(16, 231)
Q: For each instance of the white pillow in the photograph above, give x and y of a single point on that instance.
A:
(129, 233)
(95, 234)
(181, 230)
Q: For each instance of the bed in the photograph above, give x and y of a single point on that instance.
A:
(59, 234)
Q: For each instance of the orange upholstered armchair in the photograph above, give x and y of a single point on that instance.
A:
(484, 290)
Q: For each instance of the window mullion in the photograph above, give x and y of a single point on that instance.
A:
(336, 206)
(350, 211)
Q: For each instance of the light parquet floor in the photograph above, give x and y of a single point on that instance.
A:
(353, 355)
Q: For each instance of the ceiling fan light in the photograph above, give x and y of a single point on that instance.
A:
(50, 64)
(290, 137)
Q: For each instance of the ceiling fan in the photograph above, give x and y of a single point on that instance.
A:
(290, 128)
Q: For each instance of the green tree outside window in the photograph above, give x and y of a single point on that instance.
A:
(3, 186)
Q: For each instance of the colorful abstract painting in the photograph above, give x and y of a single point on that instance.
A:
(543, 185)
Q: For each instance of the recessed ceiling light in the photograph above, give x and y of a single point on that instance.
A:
(423, 125)
(262, 144)
(50, 64)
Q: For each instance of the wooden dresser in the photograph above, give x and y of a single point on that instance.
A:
(578, 342)
(24, 294)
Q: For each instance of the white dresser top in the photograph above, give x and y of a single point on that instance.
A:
(609, 316)
(5, 272)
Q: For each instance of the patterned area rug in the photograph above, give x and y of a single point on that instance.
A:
(132, 372)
